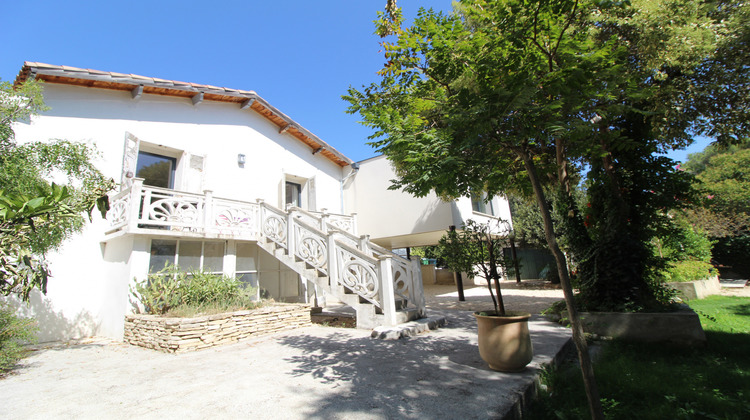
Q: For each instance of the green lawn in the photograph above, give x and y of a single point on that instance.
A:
(640, 381)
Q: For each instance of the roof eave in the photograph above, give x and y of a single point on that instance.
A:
(148, 85)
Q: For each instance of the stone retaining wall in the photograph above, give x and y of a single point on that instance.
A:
(177, 335)
(679, 327)
(698, 289)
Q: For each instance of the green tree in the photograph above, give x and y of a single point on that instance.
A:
(723, 208)
(478, 249)
(37, 216)
(509, 96)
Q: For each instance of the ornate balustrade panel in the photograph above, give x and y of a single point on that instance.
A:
(162, 207)
(342, 222)
(404, 276)
(311, 245)
(348, 239)
(273, 224)
(358, 273)
(119, 210)
(309, 218)
(235, 217)
(403, 281)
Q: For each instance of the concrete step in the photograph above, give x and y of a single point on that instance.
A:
(408, 329)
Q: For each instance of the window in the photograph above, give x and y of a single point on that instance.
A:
(293, 194)
(480, 204)
(247, 269)
(188, 255)
(156, 170)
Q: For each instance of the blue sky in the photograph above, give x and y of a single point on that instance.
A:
(301, 56)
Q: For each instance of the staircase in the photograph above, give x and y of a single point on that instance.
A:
(384, 289)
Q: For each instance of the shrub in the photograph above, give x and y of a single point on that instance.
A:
(689, 271)
(14, 332)
(174, 291)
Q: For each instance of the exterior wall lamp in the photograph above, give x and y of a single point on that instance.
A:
(241, 159)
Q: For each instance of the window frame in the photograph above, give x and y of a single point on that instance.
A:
(480, 203)
(175, 258)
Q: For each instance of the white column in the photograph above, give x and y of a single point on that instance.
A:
(333, 273)
(387, 289)
(134, 212)
(417, 285)
(364, 244)
(354, 224)
(324, 221)
(208, 211)
(291, 248)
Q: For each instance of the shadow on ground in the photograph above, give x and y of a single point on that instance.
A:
(428, 376)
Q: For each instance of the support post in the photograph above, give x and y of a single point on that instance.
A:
(386, 286)
(333, 269)
(324, 217)
(416, 270)
(290, 241)
(135, 204)
(208, 210)
(354, 224)
(364, 244)
(261, 212)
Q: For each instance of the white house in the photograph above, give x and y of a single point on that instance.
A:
(219, 179)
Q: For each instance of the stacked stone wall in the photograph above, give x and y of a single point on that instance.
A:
(177, 335)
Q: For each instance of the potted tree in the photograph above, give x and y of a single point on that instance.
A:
(503, 336)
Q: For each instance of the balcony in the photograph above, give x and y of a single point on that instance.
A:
(169, 212)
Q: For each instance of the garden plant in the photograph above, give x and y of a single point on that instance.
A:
(174, 292)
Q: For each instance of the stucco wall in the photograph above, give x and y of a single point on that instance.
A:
(218, 131)
(89, 291)
(394, 218)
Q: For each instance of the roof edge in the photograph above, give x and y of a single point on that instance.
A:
(66, 75)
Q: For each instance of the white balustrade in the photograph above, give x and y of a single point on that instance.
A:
(327, 242)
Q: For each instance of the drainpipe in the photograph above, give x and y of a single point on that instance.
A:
(355, 169)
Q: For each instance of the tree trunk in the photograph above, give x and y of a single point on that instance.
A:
(494, 274)
(459, 278)
(460, 287)
(515, 260)
(587, 369)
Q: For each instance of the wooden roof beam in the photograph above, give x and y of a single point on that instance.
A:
(285, 129)
(247, 104)
(318, 150)
(137, 92)
(197, 99)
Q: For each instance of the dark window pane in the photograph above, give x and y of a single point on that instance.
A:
(162, 252)
(293, 194)
(156, 170)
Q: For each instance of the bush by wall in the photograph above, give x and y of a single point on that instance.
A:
(174, 291)
(14, 332)
(689, 270)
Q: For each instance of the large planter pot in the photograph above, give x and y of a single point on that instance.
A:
(504, 341)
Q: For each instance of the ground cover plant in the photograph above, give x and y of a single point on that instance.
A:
(14, 333)
(174, 292)
(658, 381)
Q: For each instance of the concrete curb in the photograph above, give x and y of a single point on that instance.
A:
(408, 329)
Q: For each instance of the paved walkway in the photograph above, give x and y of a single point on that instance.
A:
(311, 373)
(532, 297)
